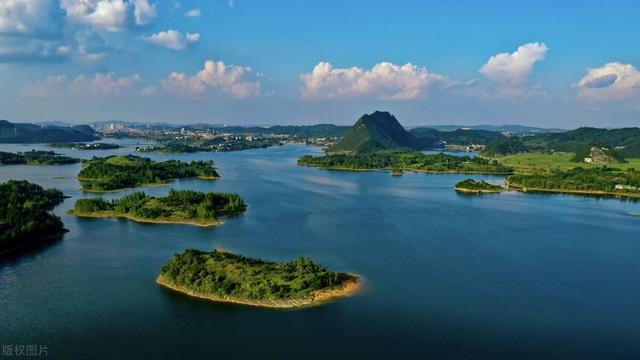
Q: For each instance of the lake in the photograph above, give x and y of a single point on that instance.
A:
(508, 275)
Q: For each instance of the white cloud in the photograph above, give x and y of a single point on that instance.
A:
(102, 84)
(193, 13)
(232, 3)
(216, 78)
(384, 81)
(28, 17)
(144, 12)
(611, 82)
(18, 50)
(110, 15)
(514, 68)
(508, 73)
(173, 39)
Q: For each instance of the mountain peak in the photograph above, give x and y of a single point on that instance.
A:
(375, 131)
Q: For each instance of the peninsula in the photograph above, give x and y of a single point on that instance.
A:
(25, 217)
(225, 277)
(586, 181)
(85, 146)
(477, 187)
(120, 172)
(178, 207)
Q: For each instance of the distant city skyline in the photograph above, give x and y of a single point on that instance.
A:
(545, 64)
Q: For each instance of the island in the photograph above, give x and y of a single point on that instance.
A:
(398, 160)
(34, 157)
(32, 133)
(25, 217)
(85, 146)
(471, 186)
(219, 143)
(225, 277)
(598, 181)
(114, 173)
(178, 207)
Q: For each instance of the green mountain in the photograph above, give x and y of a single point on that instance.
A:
(429, 137)
(506, 146)
(376, 131)
(596, 153)
(30, 133)
(626, 140)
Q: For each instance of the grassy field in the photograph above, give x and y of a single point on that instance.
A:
(527, 162)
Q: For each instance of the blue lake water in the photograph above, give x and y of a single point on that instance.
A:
(447, 276)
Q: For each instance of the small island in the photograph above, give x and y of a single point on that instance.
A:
(34, 157)
(178, 207)
(471, 186)
(114, 173)
(25, 217)
(600, 181)
(225, 277)
(85, 146)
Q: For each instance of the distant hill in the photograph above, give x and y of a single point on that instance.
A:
(626, 141)
(506, 146)
(30, 133)
(428, 137)
(376, 131)
(299, 131)
(510, 128)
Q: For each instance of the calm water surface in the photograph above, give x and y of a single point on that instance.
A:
(447, 276)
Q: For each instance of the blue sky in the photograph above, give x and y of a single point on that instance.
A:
(557, 64)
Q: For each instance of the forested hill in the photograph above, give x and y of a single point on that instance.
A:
(376, 131)
(429, 137)
(625, 140)
(30, 133)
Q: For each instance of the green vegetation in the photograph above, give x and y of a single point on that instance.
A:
(429, 137)
(597, 181)
(596, 153)
(223, 276)
(532, 162)
(373, 132)
(180, 207)
(406, 160)
(85, 146)
(34, 157)
(119, 172)
(626, 141)
(29, 133)
(234, 143)
(478, 187)
(24, 214)
(506, 146)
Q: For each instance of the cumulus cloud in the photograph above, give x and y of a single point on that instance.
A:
(31, 51)
(216, 78)
(103, 84)
(144, 12)
(384, 81)
(612, 82)
(109, 15)
(507, 74)
(193, 13)
(173, 39)
(28, 17)
(515, 67)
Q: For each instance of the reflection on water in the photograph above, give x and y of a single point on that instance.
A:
(507, 275)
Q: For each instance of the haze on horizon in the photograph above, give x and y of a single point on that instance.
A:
(548, 64)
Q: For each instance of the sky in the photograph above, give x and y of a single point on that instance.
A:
(257, 62)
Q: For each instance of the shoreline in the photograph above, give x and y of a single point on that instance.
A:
(163, 183)
(339, 168)
(349, 287)
(479, 191)
(572, 192)
(114, 215)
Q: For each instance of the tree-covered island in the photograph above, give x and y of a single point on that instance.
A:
(477, 187)
(225, 277)
(397, 160)
(34, 157)
(587, 181)
(120, 172)
(178, 207)
(85, 146)
(24, 215)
